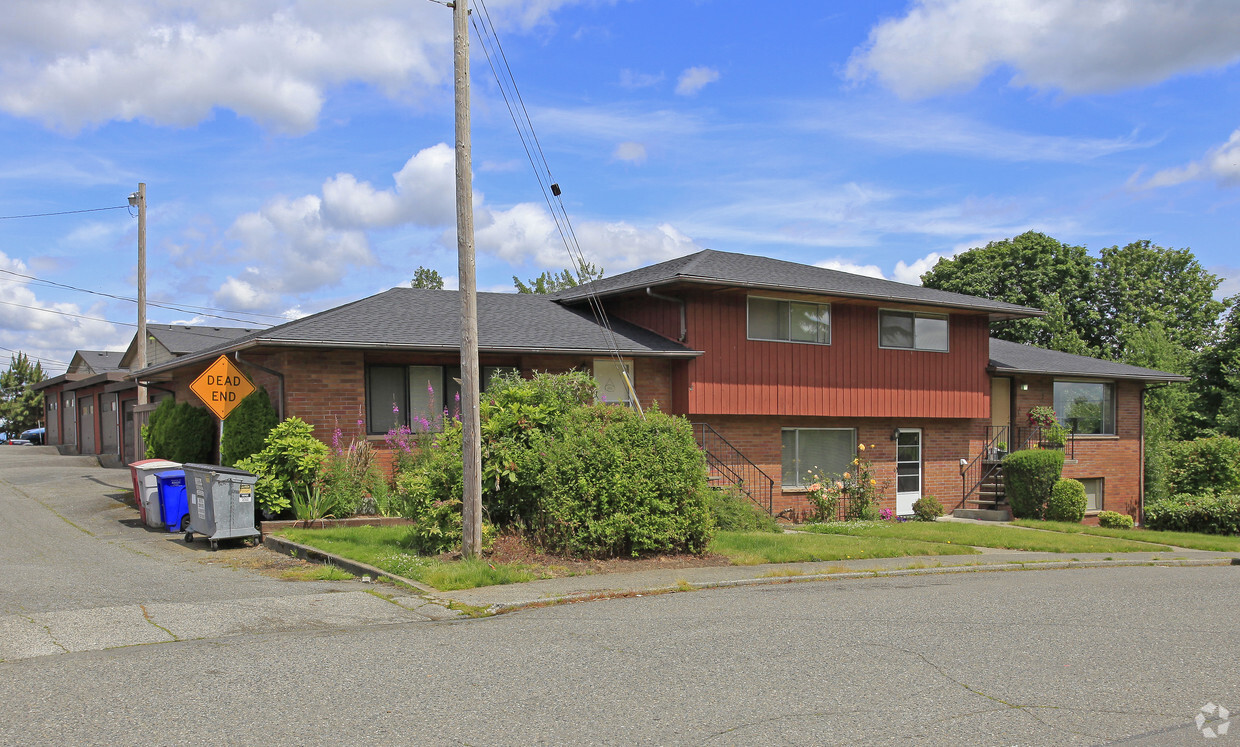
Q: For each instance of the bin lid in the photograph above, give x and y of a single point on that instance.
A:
(171, 474)
(150, 464)
(219, 469)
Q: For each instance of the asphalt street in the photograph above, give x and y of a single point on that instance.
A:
(1126, 655)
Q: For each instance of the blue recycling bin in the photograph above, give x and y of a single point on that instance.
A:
(173, 503)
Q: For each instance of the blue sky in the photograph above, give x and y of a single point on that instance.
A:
(298, 155)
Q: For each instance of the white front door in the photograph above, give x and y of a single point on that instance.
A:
(908, 470)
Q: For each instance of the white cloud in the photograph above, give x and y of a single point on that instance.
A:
(630, 152)
(424, 193)
(633, 80)
(1221, 163)
(694, 79)
(77, 63)
(911, 273)
(1077, 46)
(843, 265)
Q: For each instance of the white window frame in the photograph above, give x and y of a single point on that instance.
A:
(1114, 405)
(797, 472)
(1101, 492)
(822, 306)
(916, 315)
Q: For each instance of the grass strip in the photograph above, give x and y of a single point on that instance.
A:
(981, 535)
(754, 548)
(1190, 540)
(383, 547)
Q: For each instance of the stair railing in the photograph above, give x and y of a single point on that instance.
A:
(728, 463)
(973, 474)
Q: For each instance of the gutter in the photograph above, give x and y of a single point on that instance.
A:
(684, 329)
(273, 372)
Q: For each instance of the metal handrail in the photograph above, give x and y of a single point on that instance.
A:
(731, 465)
(980, 469)
(1036, 435)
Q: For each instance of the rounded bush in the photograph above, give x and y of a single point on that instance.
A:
(1028, 478)
(927, 508)
(1114, 520)
(1067, 502)
(179, 432)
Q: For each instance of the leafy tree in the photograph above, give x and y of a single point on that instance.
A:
(1216, 378)
(21, 407)
(551, 282)
(1031, 269)
(1142, 284)
(424, 277)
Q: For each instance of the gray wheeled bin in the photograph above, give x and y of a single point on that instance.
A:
(221, 502)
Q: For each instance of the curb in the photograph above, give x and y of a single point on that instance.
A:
(502, 607)
(305, 552)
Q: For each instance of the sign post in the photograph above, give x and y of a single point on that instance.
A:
(222, 387)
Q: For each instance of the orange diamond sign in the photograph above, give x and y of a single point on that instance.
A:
(222, 387)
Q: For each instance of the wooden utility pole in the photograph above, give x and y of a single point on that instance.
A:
(140, 359)
(471, 452)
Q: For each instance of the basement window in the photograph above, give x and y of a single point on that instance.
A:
(808, 452)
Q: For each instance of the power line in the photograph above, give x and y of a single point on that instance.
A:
(38, 359)
(64, 212)
(184, 308)
(109, 321)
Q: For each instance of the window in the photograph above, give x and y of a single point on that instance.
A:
(1086, 407)
(611, 386)
(806, 451)
(1093, 492)
(912, 330)
(417, 397)
(789, 321)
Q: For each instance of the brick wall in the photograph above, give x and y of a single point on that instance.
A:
(944, 444)
(1116, 459)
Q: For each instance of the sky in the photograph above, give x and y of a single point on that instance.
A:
(298, 155)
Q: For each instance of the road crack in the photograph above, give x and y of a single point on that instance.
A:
(151, 620)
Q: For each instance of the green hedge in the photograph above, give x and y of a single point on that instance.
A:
(1207, 514)
(1206, 465)
(247, 427)
(733, 511)
(179, 432)
(1114, 520)
(1029, 476)
(1067, 502)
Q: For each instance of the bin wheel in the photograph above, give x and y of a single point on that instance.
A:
(184, 522)
(189, 537)
(215, 545)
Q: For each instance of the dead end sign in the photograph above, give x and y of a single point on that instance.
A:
(222, 387)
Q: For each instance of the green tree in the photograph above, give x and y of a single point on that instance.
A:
(21, 407)
(1216, 378)
(1031, 269)
(1143, 284)
(550, 282)
(424, 277)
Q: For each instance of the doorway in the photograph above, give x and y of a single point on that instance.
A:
(908, 470)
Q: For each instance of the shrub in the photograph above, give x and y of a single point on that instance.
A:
(1204, 465)
(856, 489)
(1114, 520)
(733, 511)
(1067, 502)
(350, 477)
(1028, 478)
(247, 427)
(1207, 514)
(290, 461)
(927, 508)
(439, 530)
(179, 432)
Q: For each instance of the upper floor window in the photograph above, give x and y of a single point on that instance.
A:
(912, 330)
(789, 321)
(1086, 407)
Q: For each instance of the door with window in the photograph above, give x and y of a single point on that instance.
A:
(908, 470)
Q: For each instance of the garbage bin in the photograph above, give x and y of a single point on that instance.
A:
(173, 504)
(221, 502)
(146, 489)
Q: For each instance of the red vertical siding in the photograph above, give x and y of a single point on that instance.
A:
(851, 377)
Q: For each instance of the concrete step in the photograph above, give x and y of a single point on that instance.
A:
(982, 514)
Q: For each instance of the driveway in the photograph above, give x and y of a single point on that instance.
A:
(82, 573)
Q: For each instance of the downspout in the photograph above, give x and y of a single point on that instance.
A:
(279, 376)
(684, 329)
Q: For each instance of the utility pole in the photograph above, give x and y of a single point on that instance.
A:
(139, 199)
(471, 451)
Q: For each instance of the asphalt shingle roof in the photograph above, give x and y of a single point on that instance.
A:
(422, 319)
(100, 361)
(181, 339)
(1012, 357)
(750, 271)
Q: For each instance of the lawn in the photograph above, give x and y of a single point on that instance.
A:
(980, 535)
(1190, 540)
(752, 548)
(382, 547)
